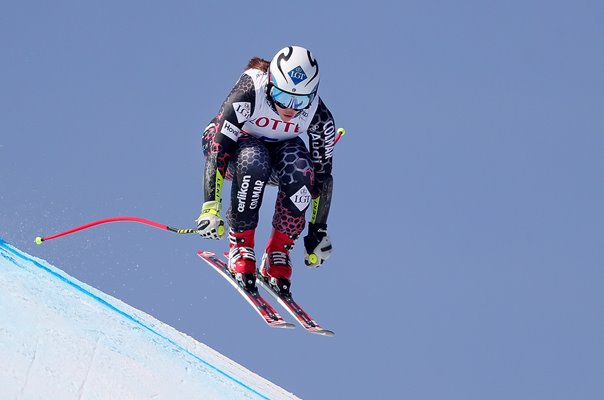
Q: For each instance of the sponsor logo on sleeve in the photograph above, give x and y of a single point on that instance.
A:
(243, 110)
(230, 130)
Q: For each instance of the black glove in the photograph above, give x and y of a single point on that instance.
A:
(317, 246)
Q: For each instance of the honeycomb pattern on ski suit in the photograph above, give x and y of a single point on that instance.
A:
(256, 164)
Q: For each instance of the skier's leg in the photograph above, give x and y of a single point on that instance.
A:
(250, 169)
(296, 176)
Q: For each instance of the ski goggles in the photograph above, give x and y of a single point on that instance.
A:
(289, 100)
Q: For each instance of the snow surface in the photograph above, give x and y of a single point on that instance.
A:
(62, 339)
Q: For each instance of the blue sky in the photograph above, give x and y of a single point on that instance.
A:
(467, 214)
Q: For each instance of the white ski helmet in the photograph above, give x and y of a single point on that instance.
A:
(294, 78)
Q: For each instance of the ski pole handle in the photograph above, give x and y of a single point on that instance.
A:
(341, 132)
(154, 224)
(313, 258)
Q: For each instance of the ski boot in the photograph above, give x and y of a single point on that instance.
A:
(276, 267)
(242, 260)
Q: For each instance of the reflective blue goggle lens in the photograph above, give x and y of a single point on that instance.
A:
(293, 101)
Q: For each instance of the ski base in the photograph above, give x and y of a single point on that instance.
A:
(253, 297)
(294, 309)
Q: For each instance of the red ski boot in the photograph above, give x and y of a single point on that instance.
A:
(242, 260)
(276, 267)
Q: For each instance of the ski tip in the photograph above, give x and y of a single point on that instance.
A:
(204, 253)
(323, 332)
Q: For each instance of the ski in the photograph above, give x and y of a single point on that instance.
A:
(262, 307)
(287, 301)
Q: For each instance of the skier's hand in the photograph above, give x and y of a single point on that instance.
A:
(209, 223)
(317, 246)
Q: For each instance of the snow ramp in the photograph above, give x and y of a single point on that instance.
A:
(62, 339)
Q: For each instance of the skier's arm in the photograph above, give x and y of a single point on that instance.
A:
(322, 135)
(220, 142)
(227, 129)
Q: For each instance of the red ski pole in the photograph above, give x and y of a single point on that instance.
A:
(40, 239)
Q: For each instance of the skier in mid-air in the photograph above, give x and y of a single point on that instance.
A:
(254, 141)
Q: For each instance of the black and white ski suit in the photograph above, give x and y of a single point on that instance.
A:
(248, 143)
